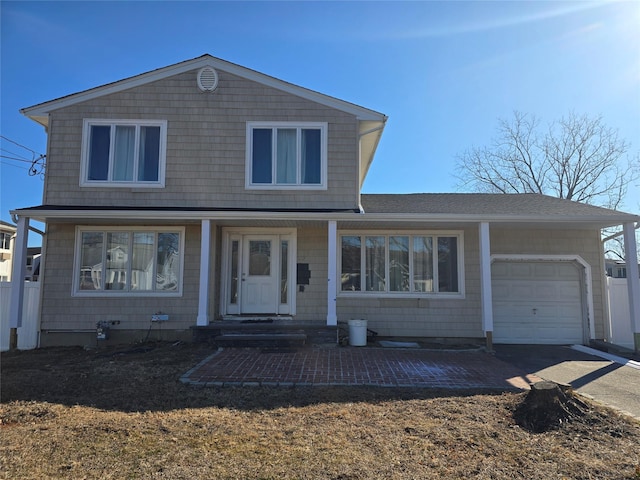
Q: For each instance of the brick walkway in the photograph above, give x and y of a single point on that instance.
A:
(383, 367)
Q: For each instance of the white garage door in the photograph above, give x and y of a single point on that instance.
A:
(537, 302)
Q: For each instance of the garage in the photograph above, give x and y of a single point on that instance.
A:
(538, 302)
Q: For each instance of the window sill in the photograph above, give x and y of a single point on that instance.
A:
(285, 187)
(143, 186)
(122, 294)
(387, 295)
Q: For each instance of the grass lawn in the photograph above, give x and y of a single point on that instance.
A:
(122, 413)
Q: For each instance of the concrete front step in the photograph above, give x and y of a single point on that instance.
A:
(265, 334)
(261, 340)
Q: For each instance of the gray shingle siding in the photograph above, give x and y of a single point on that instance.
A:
(205, 146)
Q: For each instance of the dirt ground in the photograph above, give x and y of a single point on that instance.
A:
(122, 413)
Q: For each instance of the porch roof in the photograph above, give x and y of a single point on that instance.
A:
(401, 210)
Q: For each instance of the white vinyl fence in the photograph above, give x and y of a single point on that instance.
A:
(28, 333)
(621, 332)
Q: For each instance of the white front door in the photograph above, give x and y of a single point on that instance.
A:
(260, 273)
(259, 268)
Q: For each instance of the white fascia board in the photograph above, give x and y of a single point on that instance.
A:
(40, 112)
(475, 218)
(115, 214)
(364, 218)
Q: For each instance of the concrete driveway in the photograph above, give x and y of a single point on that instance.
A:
(602, 379)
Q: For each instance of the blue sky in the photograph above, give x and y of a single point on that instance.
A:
(444, 72)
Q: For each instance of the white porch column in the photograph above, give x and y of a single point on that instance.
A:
(633, 282)
(485, 283)
(332, 273)
(18, 272)
(205, 260)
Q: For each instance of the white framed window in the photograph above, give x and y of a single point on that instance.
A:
(5, 241)
(128, 261)
(286, 155)
(402, 264)
(123, 153)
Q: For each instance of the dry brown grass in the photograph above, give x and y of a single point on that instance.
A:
(69, 413)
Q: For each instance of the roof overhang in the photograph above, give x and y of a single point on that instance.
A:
(345, 218)
(40, 112)
(370, 133)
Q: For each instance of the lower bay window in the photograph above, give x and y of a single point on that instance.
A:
(397, 264)
(128, 261)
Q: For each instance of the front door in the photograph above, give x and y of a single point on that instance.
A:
(260, 273)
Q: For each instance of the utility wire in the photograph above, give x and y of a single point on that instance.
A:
(13, 153)
(14, 165)
(16, 159)
(37, 168)
(20, 145)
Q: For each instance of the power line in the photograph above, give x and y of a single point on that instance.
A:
(38, 160)
(14, 165)
(13, 153)
(20, 145)
(16, 159)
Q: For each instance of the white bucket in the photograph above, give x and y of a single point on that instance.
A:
(358, 333)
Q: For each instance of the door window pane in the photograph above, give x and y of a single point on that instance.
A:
(284, 271)
(99, 152)
(375, 264)
(399, 264)
(233, 293)
(422, 264)
(447, 264)
(260, 257)
(351, 266)
(261, 160)
(168, 261)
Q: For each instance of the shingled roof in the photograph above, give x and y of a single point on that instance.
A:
(523, 206)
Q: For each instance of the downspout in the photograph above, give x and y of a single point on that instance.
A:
(14, 217)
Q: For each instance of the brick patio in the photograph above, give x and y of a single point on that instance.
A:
(350, 366)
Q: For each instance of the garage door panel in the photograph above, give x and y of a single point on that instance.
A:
(545, 270)
(537, 302)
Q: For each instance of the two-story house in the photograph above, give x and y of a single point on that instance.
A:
(206, 191)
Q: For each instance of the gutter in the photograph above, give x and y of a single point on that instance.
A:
(14, 217)
(352, 216)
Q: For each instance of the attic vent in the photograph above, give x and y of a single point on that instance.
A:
(207, 79)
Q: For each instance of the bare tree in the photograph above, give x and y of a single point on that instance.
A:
(577, 158)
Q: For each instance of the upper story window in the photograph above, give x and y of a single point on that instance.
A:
(124, 153)
(286, 155)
